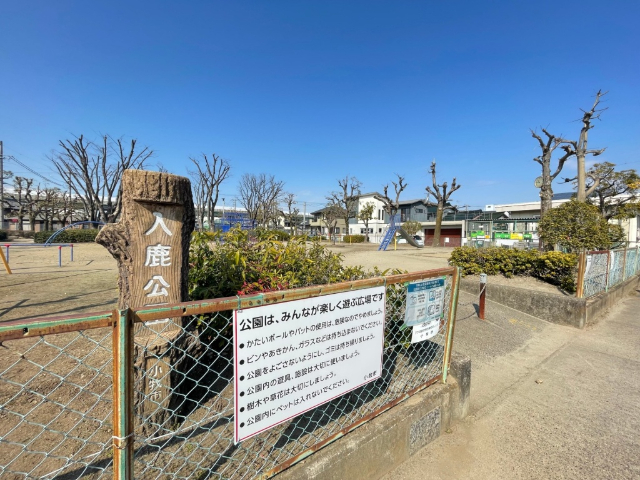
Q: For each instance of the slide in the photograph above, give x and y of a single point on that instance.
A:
(409, 238)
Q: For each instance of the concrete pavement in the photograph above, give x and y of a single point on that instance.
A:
(547, 401)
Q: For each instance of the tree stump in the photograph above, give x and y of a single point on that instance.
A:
(151, 246)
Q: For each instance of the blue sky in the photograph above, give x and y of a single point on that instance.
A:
(312, 91)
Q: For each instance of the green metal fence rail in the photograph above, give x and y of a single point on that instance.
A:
(71, 390)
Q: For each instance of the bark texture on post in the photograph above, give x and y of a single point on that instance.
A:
(151, 245)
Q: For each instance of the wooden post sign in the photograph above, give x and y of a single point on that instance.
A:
(151, 245)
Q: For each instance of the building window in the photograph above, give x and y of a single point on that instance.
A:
(419, 210)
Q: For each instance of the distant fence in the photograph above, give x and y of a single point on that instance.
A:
(600, 270)
(71, 393)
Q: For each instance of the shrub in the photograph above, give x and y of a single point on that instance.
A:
(22, 233)
(73, 235)
(235, 264)
(576, 226)
(552, 267)
(3, 235)
(264, 234)
(353, 239)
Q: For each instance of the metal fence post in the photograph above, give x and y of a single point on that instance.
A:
(582, 266)
(123, 395)
(455, 286)
(606, 282)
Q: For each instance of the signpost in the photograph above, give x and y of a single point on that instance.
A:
(425, 308)
(292, 357)
(151, 245)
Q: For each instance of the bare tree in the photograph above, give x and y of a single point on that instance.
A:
(392, 206)
(615, 193)
(208, 177)
(93, 172)
(347, 197)
(20, 196)
(291, 215)
(442, 196)
(552, 142)
(365, 215)
(581, 151)
(330, 216)
(259, 195)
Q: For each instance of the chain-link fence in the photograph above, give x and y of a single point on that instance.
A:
(56, 405)
(605, 269)
(73, 406)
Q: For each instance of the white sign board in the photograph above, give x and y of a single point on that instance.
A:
(425, 308)
(294, 356)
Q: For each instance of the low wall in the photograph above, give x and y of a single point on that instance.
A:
(560, 309)
(388, 440)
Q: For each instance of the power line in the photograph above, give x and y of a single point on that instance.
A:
(29, 169)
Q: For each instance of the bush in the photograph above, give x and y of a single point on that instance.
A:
(235, 264)
(577, 226)
(552, 267)
(353, 239)
(22, 233)
(264, 234)
(3, 235)
(73, 235)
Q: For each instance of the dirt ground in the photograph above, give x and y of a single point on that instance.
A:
(73, 371)
(39, 287)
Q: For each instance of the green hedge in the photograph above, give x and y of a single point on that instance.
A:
(3, 235)
(73, 235)
(353, 239)
(22, 233)
(264, 234)
(553, 267)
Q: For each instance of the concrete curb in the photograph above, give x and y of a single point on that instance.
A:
(560, 309)
(388, 440)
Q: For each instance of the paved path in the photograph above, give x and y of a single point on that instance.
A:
(547, 402)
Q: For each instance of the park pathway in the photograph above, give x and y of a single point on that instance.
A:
(547, 402)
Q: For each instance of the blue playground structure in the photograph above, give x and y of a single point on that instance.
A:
(394, 228)
(55, 234)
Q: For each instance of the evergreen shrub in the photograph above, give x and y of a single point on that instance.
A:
(73, 235)
(556, 268)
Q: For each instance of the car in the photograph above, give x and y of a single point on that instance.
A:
(419, 240)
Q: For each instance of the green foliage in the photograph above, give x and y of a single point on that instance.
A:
(264, 234)
(353, 239)
(73, 235)
(234, 264)
(552, 267)
(577, 226)
(3, 235)
(412, 227)
(22, 233)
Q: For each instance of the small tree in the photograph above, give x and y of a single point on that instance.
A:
(578, 226)
(616, 192)
(259, 195)
(365, 215)
(207, 178)
(347, 197)
(442, 195)
(291, 215)
(412, 227)
(330, 216)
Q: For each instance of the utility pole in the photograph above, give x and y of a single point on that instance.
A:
(1, 186)
(304, 219)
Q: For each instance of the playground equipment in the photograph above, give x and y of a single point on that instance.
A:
(394, 228)
(58, 232)
(6, 255)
